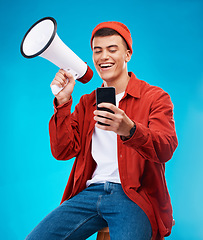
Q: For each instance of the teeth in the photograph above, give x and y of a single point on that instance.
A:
(105, 65)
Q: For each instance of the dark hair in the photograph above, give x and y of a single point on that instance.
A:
(103, 32)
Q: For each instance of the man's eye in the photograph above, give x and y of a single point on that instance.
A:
(97, 51)
(112, 50)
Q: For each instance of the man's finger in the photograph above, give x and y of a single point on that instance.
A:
(104, 113)
(109, 106)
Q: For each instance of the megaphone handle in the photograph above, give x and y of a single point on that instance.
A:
(56, 89)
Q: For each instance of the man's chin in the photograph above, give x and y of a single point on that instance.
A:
(107, 77)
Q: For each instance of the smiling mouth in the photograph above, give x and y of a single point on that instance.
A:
(105, 66)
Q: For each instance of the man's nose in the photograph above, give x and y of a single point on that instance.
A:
(104, 55)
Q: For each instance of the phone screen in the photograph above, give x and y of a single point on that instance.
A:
(105, 94)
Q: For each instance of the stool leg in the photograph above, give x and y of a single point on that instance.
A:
(103, 236)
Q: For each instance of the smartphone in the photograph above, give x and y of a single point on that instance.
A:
(105, 94)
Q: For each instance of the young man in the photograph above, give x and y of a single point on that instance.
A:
(117, 179)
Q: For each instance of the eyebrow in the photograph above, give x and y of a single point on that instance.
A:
(110, 46)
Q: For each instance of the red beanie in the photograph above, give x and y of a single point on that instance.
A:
(117, 26)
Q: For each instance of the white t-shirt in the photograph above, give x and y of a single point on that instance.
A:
(104, 152)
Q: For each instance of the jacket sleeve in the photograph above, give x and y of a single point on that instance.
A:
(157, 141)
(64, 131)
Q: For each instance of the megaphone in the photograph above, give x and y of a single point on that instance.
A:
(42, 40)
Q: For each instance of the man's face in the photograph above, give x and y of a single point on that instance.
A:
(110, 56)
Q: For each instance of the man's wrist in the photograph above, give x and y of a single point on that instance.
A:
(132, 131)
(62, 101)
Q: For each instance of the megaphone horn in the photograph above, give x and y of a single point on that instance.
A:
(42, 40)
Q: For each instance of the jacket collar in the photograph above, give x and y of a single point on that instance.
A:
(133, 87)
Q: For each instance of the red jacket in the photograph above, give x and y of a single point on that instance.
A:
(141, 159)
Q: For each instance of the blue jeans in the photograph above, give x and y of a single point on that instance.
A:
(96, 207)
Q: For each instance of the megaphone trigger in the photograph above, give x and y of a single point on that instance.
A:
(71, 71)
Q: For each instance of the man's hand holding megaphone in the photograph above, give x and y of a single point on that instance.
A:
(67, 82)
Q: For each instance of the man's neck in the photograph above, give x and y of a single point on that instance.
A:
(119, 84)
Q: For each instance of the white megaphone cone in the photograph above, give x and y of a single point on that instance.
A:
(42, 40)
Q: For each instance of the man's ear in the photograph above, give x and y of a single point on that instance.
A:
(128, 55)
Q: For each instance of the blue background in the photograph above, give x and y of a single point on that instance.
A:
(167, 43)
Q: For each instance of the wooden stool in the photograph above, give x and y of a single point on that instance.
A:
(104, 233)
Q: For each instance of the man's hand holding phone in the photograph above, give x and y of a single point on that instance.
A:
(117, 122)
(108, 116)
